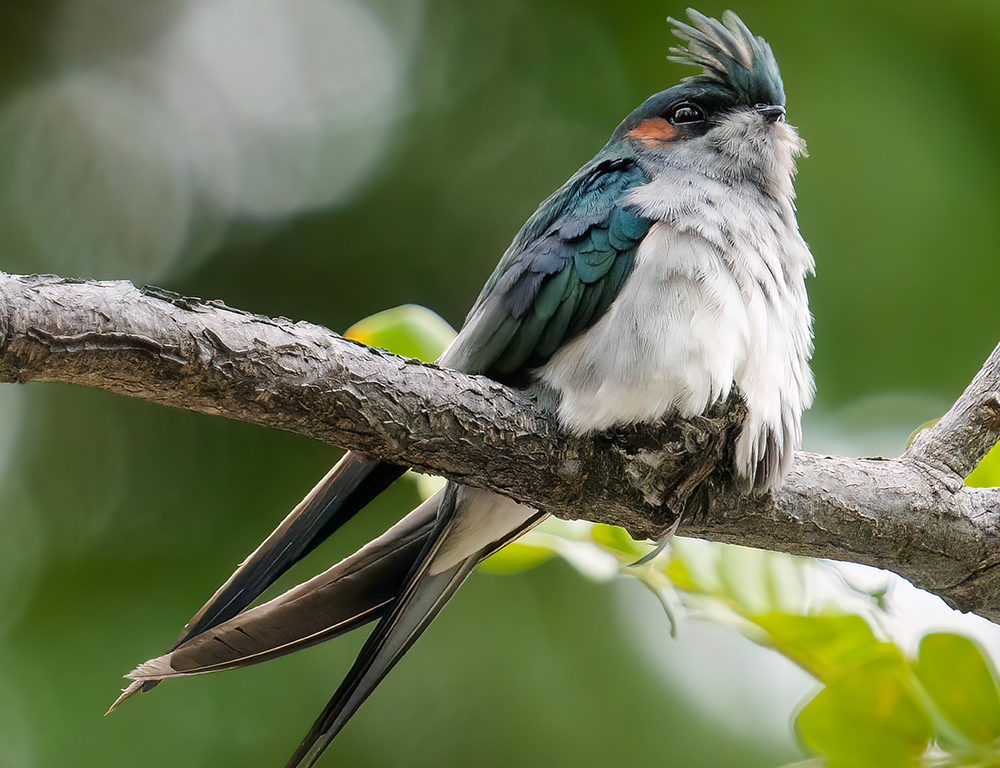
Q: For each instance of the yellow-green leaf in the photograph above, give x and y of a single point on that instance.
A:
(409, 330)
(617, 539)
(680, 577)
(868, 716)
(819, 644)
(987, 474)
(958, 678)
(516, 557)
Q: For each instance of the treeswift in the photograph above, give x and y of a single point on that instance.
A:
(665, 275)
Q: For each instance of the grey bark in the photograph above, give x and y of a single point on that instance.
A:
(912, 515)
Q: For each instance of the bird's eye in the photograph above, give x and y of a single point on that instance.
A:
(686, 113)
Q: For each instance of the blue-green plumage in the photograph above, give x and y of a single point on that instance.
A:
(562, 271)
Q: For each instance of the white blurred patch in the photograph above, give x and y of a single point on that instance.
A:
(910, 613)
(876, 425)
(95, 185)
(573, 541)
(749, 688)
(162, 126)
(290, 103)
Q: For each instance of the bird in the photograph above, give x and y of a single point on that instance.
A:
(667, 274)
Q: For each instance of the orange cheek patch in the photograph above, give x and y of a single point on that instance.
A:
(654, 131)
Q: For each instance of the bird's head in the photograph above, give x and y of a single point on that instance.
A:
(729, 120)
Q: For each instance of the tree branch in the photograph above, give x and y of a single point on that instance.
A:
(912, 515)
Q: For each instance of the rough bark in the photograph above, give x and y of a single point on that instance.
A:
(912, 515)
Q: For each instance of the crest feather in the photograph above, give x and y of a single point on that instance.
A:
(730, 56)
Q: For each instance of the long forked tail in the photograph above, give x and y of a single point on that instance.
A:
(471, 525)
(347, 488)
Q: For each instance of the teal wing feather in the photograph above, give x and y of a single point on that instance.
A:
(559, 276)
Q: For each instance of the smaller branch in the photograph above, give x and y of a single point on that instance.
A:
(966, 433)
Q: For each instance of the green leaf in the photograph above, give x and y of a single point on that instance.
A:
(516, 557)
(987, 474)
(697, 568)
(918, 430)
(758, 582)
(868, 716)
(958, 678)
(680, 577)
(819, 644)
(617, 540)
(409, 330)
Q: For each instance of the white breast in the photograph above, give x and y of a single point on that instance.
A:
(671, 341)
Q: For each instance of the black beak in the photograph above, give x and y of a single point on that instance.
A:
(772, 113)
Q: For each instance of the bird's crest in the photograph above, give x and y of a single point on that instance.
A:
(730, 56)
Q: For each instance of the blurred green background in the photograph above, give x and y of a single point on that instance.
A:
(325, 159)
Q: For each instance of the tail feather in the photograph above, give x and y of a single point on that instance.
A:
(465, 533)
(356, 590)
(348, 487)
(352, 483)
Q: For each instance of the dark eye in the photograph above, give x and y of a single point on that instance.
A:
(686, 113)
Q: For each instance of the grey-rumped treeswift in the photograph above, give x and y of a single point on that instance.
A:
(665, 275)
